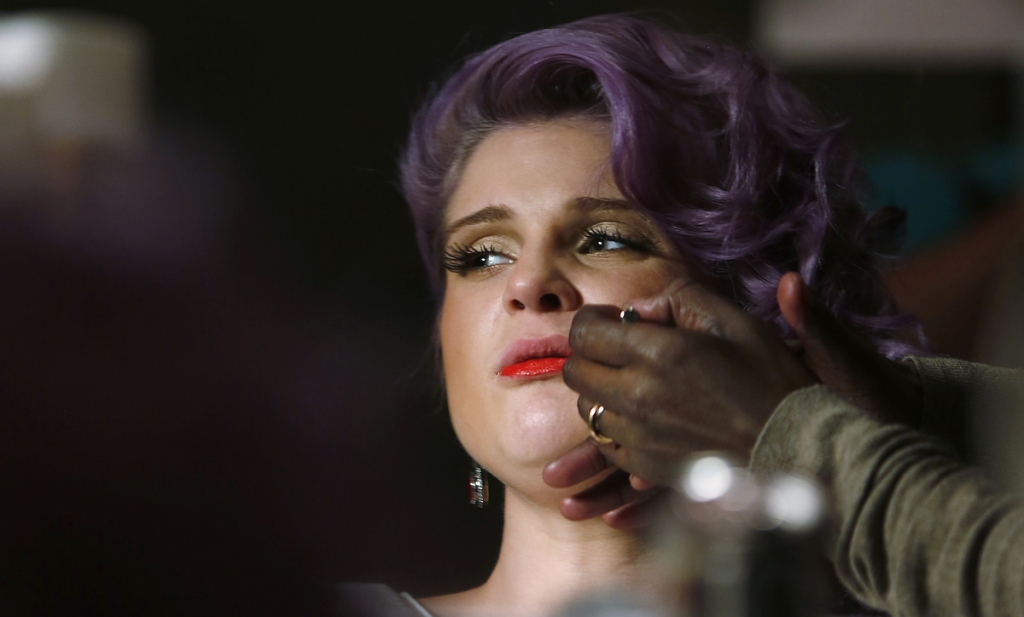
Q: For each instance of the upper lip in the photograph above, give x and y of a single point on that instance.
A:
(553, 346)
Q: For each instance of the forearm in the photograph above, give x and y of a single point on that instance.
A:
(951, 389)
(916, 531)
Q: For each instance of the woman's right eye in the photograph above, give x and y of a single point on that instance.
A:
(463, 259)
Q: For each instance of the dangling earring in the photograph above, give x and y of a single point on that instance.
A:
(479, 492)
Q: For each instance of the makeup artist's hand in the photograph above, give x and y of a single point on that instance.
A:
(839, 358)
(696, 373)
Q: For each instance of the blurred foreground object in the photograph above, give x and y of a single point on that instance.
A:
(68, 83)
(83, 166)
(144, 442)
(883, 31)
(736, 545)
(997, 426)
(731, 545)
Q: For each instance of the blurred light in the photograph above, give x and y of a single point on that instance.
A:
(891, 31)
(70, 77)
(26, 53)
(708, 478)
(793, 504)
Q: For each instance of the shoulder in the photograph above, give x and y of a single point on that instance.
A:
(376, 600)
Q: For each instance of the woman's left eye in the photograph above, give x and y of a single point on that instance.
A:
(600, 240)
(462, 259)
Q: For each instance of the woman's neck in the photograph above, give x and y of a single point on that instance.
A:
(546, 561)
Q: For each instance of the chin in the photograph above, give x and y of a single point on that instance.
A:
(541, 426)
(529, 428)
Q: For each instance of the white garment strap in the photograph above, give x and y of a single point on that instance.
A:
(378, 600)
(416, 605)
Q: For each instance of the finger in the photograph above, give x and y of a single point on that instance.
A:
(653, 309)
(688, 305)
(600, 337)
(611, 493)
(610, 424)
(597, 383)
(831, 351)
(845, 361)
(577, 465)
(654, 469)
(658, 308)
(638, 514)
(639, 483)
(650, 449)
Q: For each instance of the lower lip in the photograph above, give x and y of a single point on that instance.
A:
(534, 368)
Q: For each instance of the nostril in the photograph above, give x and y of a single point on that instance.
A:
(550, 302)
(518, 305)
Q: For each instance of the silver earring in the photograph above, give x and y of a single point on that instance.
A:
(479, 492)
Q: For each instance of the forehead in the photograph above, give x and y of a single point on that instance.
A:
(540, 163)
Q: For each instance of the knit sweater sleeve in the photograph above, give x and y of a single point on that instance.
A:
(916, 530)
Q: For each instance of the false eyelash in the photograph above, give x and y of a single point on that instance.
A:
(457, 257)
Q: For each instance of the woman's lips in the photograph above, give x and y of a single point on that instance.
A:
(535, 357)
(534, 367)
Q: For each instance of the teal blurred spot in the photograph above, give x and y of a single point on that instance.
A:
(942, 196)
(930, 192)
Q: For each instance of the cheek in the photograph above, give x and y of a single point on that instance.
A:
(463, 329)
(645, 279)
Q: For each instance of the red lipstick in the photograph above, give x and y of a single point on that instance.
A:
(534, 367)
(537, 357)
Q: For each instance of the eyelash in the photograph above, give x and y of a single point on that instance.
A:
(458, 258)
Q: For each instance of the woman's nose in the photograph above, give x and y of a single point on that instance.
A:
(538, 284)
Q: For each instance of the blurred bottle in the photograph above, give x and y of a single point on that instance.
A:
(732, 545)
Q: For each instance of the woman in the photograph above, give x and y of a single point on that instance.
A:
(591, 164)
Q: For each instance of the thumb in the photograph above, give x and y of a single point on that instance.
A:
(841, 359)
(830, 350)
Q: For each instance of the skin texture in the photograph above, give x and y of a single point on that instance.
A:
(706, 375)
(539, 218)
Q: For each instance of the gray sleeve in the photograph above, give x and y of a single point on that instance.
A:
(951, 389)
(917, 532)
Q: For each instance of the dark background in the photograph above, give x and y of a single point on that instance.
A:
(227, 431)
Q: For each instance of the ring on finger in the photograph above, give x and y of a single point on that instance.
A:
(596, 411)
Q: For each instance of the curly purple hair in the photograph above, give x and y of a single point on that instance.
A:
(717, 148)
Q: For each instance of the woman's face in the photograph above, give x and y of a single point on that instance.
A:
(535, 229)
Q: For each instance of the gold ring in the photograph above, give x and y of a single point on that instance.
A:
(595, 415)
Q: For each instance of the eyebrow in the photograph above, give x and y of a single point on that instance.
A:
(591, 204)
(495, 213)
(490, 214)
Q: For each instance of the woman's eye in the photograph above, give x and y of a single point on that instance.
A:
(599, 240)
(605, 244)
(486, 260)
(463, 260)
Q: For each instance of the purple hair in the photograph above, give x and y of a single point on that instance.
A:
(720, 151)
